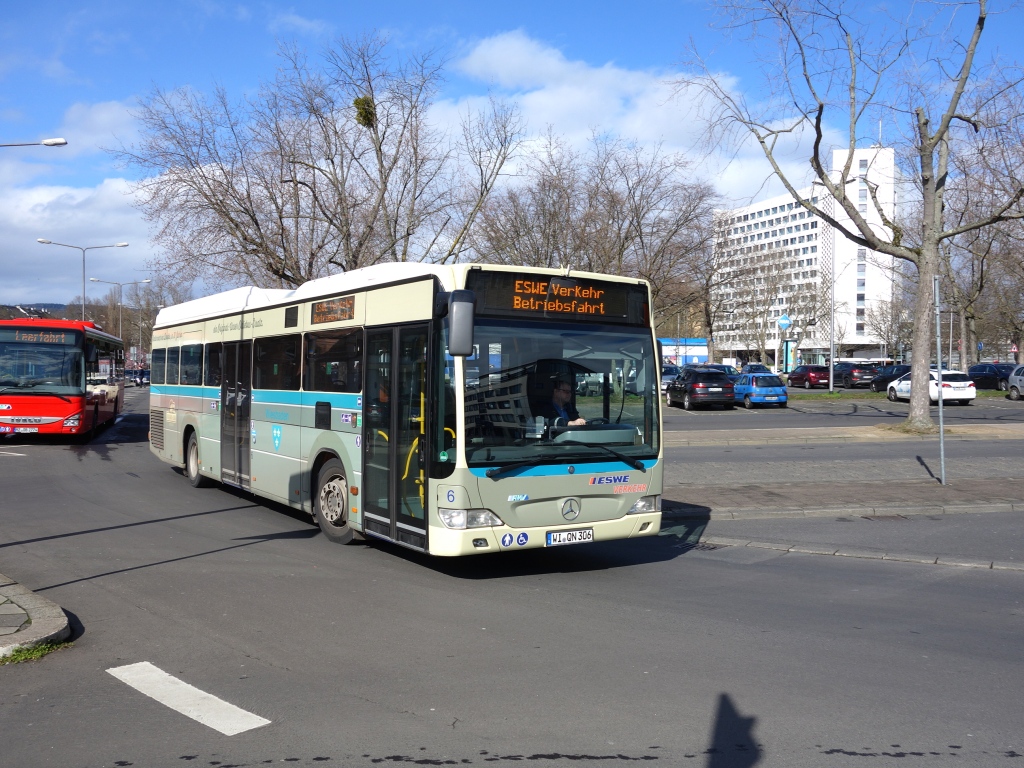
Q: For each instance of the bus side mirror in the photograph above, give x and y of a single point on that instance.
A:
(461, 316)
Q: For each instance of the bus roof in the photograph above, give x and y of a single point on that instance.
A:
(45, 322)
(247, 299)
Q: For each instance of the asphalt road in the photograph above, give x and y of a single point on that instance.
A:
(652, 651)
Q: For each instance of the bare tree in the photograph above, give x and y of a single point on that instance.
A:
(331, 166)
(825, 67)
(616, 208)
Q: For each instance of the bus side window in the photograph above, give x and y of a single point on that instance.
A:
(334, 360)
(276, 363)
(158, 361)
(213, 365)
(192, 364)
(173, 355)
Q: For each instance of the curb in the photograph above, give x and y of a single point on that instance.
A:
(46, 622)
(761, 513)
(866, 554)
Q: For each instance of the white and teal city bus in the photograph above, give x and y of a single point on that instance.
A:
(413, 403)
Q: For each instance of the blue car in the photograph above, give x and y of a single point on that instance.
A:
(760, 389)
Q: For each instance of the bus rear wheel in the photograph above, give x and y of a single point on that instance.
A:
(330, 503)
(192, 463)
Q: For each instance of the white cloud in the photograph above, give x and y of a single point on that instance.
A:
(293, 23)
(577, 98)
(90, 128)
(84, 217)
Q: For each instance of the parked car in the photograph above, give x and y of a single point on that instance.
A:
(590, 384)
(760, 388)
(700, 386)
(991, 375)
(755, 368)
(851, 375)
(668, 373)
(886, 374)
(957, 387)
(1016, 383)
(728, 370)
(808, 376)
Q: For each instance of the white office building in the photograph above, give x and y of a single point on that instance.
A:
(778, 261)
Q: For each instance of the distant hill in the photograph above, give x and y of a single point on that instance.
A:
(16, 312)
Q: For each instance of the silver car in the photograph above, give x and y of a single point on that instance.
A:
(1016, 382)
(668, 374)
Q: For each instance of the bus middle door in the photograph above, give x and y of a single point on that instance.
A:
(235, 408)
(394, 434)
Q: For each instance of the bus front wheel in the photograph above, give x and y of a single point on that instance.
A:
(330, 504)
(192, 463)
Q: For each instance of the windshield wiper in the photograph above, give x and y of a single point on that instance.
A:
(629, 461)
(495, 471)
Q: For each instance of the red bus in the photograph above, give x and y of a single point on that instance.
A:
(63, 377)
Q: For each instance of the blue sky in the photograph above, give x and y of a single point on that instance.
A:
(76, 69)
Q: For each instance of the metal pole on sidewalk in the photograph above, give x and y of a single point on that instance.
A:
(938, 391)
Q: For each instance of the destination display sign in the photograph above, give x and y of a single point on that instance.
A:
(333, 310)
(40, 336)
(554, 297)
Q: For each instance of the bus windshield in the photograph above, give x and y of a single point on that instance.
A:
(39, 361)
(560, 392)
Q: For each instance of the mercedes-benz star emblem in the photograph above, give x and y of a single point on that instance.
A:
(570, 509)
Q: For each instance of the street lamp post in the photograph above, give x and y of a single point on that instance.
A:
(120, 286)
(43, 143)
(83, 250)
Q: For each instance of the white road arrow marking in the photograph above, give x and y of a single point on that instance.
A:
(187, 699)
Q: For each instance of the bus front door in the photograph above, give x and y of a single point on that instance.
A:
(394, 450)
(234, 413)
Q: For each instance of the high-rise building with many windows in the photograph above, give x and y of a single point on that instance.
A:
(776, 259)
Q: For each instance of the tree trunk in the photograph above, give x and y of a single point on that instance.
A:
(924, 317)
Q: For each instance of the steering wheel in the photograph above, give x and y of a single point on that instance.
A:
(598, 421)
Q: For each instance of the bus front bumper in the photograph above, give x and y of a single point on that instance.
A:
(446, 542)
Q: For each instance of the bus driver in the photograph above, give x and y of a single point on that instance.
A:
(561, 406)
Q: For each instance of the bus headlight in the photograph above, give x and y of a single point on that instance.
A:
(73, 421)
(645, 505)
(461, 519)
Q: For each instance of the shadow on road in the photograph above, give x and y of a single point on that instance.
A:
(732, 738)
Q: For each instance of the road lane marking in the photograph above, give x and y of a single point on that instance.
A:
(8, 453)
(187, 699)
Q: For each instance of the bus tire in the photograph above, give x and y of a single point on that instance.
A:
(330, 503)
(196, 479)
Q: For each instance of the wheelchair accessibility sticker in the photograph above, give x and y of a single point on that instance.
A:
(507, 539)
